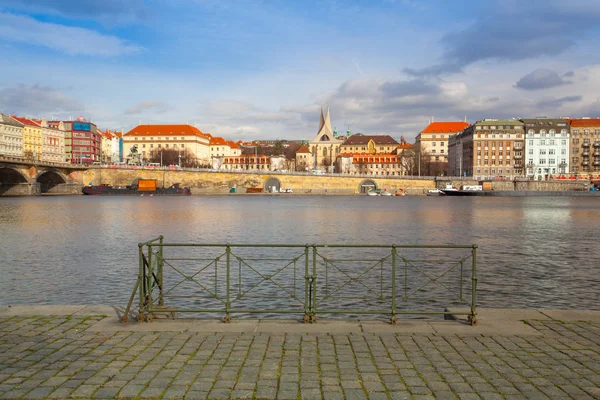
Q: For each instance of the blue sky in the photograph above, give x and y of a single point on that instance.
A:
(262, 69)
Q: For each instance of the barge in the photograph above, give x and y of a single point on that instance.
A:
(144, 187)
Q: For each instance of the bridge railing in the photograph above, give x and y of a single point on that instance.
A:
(307, 280)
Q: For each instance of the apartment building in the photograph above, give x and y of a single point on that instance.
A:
(584, 152)
(488, 149)
(546, 147)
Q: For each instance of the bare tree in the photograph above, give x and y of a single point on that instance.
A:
(171, 157)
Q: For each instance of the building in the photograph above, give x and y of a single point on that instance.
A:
(82, 141)
(585, 145)
(32, 139)
(152, 137)
(11, 137)
(546, 147)
(303, 158)
(53, 142)
(369, 154)
(488, 149)
(325, 146)
(432, 143)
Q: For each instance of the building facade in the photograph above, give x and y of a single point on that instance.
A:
(488, 149)
(53, 142)
(11, 137)
(432, 141)
(369, 154)
(179, 137)
(83, 144)
(585, 145)
(32, 139)
(546, 147)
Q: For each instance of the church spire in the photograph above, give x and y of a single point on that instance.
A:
(321, 120)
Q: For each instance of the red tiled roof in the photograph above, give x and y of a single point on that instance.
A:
(405, 146)
(233, 145)
(443, 127)
(303, 149)
(585, 122)
(217, 141)
(166, 130)
(25, 121)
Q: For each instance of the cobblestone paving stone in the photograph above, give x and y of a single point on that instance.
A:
(58, 357)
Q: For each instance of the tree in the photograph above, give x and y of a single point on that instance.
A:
(170, 156)
(278, 148)
(301, 166)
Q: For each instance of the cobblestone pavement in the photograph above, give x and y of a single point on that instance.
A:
(61, 357)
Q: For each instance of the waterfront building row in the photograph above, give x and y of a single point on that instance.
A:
(72, 142)
(536, 148)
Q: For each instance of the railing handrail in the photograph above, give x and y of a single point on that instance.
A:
(295, 245)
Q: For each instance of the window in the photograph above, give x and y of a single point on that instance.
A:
(551, 142)
(531, 142)
(563, 151)
(530, 151)
(542, 142)
(551, 151)
(433, 144)
(563, 142)
(542, 161)
(167, 145)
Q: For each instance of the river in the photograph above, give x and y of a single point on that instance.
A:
(537, 252)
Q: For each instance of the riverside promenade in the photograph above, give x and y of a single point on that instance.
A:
(85, 352)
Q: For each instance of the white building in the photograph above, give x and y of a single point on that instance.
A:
(11, 137)
(546, 147)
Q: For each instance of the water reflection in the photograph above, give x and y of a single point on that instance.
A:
(534, 252)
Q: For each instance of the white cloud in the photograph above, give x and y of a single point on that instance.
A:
(67, 39)
(37, 101)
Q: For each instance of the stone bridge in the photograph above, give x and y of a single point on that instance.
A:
(23, 178)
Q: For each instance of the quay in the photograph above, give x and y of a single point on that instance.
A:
(86, 352)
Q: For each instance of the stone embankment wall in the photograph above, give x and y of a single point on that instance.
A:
(222, 182)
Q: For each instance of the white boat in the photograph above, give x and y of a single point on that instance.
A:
(442, 192)
(373, 193)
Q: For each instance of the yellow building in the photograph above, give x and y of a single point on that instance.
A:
(32, 139)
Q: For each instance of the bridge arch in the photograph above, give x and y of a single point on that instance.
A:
(49, 179)
(272, 185)
(12, 176)
(366, 185)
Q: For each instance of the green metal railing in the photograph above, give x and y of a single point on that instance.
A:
(308, 279)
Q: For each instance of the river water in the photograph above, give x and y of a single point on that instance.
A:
(536, 252)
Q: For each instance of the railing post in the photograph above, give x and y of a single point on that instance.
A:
(160, 265)
(314, 286)
(228, 278)
(307, 283)
(473, 316)
(393, 319)
(149, 284)
(141, 281)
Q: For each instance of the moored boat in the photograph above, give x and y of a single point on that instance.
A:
(144, 187)
(467, 190)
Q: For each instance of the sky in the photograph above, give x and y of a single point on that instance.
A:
(262, 69)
